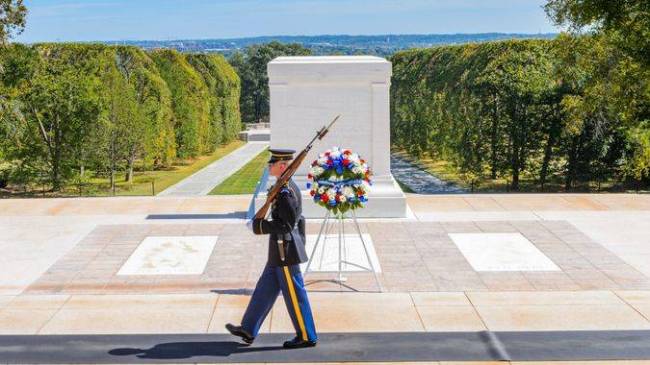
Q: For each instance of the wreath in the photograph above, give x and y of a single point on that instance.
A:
(339, 180)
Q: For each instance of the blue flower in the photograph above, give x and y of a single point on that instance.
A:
(332, 202)
(317, 197)
(308, 185)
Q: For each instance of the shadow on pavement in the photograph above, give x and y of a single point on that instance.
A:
(233, 215)
(186, 350)
(240, 291)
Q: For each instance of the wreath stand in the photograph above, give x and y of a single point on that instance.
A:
(339, 221)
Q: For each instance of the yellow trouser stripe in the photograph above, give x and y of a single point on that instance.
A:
(294, 301)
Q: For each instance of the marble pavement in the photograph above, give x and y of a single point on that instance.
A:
(584, 266)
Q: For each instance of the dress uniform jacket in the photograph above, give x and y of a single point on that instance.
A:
(286, 228)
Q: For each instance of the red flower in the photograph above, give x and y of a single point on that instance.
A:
(324, 198)
(312, 193)
(362, 161)
(327, 154)
(330, 162)
(359, 193)
(310, 176)
(347, 152)
(338, 197)
(346, 162)
(314, 163)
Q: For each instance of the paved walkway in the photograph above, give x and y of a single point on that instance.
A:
(204, 180)
(341, 347)
(418, 180)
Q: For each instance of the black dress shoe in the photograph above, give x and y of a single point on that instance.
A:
(297, 343)
(240, 332)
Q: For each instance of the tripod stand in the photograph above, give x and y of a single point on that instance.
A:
(338, 222)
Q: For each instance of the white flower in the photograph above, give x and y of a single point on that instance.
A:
(348, 191)
(342, 199)
(321, 190)
(357, 170)
(317, 170)
(332, 178)
(322, 160)
(331, 193)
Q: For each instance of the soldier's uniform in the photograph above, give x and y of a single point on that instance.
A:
(286, 252)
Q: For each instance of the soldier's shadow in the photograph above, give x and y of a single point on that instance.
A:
(186, 350)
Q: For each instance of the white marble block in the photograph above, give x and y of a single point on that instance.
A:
(172, 255)
(308, 92)
(502, 252)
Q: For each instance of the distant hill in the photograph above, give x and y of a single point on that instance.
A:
(334, 44)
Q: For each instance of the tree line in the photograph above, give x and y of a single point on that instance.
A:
(573, 110)
(68, 111)
(250, 65)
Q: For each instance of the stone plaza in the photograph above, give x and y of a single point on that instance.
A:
(71, 266)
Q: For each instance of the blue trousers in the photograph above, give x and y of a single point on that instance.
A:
(288, 280)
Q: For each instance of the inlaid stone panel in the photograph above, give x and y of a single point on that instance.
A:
(170, 255)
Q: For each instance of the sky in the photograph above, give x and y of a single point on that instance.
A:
(103, 20)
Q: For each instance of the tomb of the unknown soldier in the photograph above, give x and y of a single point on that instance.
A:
(307, 91)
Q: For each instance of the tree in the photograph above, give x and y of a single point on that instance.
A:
(627, 20)
(150, 135)
(12, 19)
(17, 65)
(124, 122)
(58, 107)
(189, 102)
(251, 68)
(615, 94)
(223, 97)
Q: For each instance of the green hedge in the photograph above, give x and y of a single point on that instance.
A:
(68, 108)
(223, 95)
(543, 111)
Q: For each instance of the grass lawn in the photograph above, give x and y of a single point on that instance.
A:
(162, 179)
(142, 180)
(245, 179)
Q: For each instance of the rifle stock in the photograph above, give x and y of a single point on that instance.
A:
(291, 169)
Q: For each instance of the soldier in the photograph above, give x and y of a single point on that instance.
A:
(282, 270)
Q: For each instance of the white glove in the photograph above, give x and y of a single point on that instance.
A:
(249, 224)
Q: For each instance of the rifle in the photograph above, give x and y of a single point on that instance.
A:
(291, 169)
